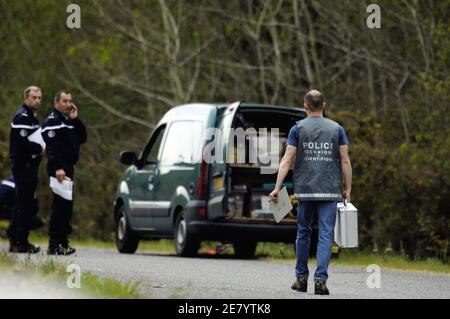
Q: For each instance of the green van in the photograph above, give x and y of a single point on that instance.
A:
(171, 191)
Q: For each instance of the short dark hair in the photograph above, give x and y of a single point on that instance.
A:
(314, 99)
(58, 94)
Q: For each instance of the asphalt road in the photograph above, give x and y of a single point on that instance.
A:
(169, 276)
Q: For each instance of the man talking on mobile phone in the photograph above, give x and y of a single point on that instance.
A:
(63, 132)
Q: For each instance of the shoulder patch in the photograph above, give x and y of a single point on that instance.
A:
(24, 114)
(23, 132)
(51, 134)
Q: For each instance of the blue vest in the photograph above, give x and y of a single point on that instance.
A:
(317, 171)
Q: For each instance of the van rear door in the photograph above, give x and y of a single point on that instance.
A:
(218, 199)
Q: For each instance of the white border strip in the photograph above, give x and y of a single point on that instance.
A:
(9, 183)
(57, 127)
(30, 127)
(316, 195)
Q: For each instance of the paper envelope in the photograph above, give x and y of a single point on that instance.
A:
(281, 208)
(64, 189)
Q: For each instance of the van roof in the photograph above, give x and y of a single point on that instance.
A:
(202, 111)
(259, 105)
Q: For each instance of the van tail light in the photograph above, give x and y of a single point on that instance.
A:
(202, 211)
(202, 182)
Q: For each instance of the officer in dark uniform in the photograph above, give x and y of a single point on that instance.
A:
(8, 203)
(63, 132)
(25, 158)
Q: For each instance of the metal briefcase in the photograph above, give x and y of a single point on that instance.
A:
(346, 227)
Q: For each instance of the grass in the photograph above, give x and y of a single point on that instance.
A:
(390, 261)
(110, 287)
(276, 250)
(50, 270)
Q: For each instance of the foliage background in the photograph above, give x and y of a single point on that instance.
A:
(133, 60)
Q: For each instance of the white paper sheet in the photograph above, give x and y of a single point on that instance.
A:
(281, 208)
(36, 137)
(64, 189)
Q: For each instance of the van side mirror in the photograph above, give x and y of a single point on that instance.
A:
(128, 158)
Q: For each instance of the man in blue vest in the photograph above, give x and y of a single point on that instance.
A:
(319, 149)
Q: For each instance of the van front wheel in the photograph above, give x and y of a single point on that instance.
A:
(127, 241)
(185, 244)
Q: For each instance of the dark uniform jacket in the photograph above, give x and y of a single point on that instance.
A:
(63, 138)
(22, 152)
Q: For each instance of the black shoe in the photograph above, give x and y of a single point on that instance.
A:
(24, 248)
(60, 250)
(301, 284)
(320, 287)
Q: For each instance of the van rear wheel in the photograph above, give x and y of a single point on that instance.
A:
(186, 245)
(127, 240)
(245, 249)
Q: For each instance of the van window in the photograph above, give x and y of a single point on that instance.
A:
(183, 143)
(152, 148)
